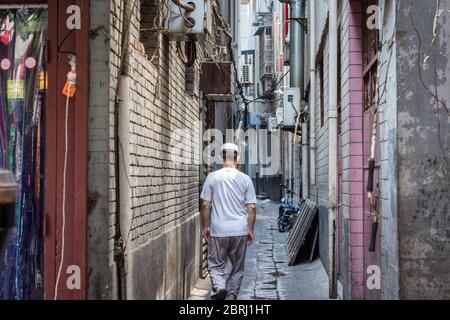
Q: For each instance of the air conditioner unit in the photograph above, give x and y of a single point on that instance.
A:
(186, 25)
(247, 74)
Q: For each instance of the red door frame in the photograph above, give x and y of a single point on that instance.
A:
(76, 236)
(76, 246)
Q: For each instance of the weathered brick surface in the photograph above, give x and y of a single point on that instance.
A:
(350, 161)
(352, 145)
(412, 183)
(319, 192)
(163, 204)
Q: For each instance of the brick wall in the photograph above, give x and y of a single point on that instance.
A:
(352, 188)
(164, 194)
(159, 214)
(413, 137)
(319, 192)
(351, 147)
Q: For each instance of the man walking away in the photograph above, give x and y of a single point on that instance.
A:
(229, 226)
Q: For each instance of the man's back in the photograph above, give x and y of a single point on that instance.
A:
(229, 190)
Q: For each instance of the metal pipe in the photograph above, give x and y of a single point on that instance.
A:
(305, 142)
(297, 72)
(332, 144)
(186, 6)
(297, 44)
(305, 161)
(312, 101)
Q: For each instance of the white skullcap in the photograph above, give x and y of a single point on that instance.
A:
(230, 147)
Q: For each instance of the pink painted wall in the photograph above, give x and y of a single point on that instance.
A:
(352, 188)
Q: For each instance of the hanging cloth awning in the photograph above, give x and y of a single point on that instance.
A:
(260, 30)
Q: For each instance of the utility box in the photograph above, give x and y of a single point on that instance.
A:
(291, 106)
(186, 25)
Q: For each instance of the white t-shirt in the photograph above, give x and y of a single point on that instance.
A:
(230, 191)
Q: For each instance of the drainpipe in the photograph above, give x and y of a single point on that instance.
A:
(297, 54)
(305, 161)
(125, 195)
(297, 44)
(304, 141)
(312, 101)
(332, 147)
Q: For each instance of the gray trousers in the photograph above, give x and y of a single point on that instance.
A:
(226, 259)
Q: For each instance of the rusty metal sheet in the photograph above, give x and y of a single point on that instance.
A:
(216, 80)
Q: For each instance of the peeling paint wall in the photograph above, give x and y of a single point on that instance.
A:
(423, 150)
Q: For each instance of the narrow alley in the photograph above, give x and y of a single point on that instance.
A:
(139, 137)
(267, 274)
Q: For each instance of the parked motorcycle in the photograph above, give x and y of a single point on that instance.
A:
(287, 212)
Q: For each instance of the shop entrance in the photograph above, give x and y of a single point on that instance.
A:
(23, 99)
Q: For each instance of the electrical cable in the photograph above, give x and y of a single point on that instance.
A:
(419, 54)
(268, 93)
(68, 34)
(181, 54)
(281, 79)
(72, 82)
(189, 55)
(299, 114)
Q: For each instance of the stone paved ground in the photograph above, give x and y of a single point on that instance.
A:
(267, 275)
